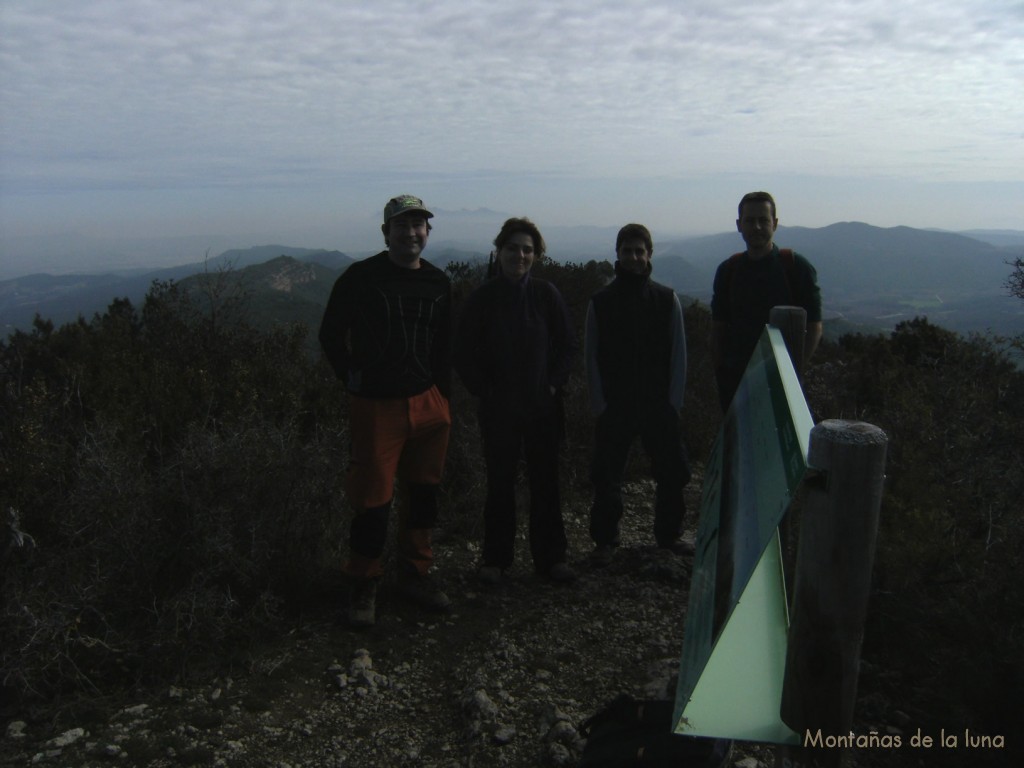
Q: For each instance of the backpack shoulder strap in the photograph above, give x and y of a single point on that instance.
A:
(731, 266)
(788, 263)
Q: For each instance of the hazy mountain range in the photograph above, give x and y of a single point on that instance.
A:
(871, 277)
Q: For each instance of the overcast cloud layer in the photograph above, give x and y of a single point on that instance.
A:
(168, 116)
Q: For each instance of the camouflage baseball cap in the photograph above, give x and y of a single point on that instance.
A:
(404, 204)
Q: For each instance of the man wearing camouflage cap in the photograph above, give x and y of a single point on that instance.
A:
(386, 332)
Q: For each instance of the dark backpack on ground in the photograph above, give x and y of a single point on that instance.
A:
(630, 732)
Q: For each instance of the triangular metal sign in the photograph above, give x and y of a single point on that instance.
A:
(734, 643)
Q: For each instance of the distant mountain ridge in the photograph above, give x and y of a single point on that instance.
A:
(281, 291)
(63, 298)
(260, 254)
(871, 277)
(874, 277)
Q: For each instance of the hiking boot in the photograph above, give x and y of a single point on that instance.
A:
(422, 590)
(362, 603)
(602, 555)
(561, 573)
(489, 574)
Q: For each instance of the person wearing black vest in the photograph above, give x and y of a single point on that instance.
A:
(635, 351)
(514, 350)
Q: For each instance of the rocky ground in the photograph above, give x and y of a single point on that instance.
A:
(505, 679)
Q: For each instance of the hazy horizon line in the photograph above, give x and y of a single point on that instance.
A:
(74, 252)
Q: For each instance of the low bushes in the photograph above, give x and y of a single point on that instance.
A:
(171, 481)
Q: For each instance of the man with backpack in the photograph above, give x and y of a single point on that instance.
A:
(748, 284)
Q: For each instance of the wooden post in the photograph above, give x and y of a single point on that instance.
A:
(838, 530)
(792, 322)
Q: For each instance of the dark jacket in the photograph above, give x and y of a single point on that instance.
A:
(636, 345)
(745, 290)
(514, 342)
(386, 330)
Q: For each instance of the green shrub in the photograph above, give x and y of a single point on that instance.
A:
(945, 616)
(178, 480)
(170, 482)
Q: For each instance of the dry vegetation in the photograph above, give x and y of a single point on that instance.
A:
(171, 498)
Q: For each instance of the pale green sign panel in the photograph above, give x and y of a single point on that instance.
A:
(734, 644)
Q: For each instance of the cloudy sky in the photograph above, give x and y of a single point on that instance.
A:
(173, 117)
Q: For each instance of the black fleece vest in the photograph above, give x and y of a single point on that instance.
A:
(634, 340)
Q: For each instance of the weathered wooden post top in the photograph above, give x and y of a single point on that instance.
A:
(838, 532)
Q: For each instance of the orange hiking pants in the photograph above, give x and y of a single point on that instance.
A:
(403, 438)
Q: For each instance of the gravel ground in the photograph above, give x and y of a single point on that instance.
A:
(505, 679)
